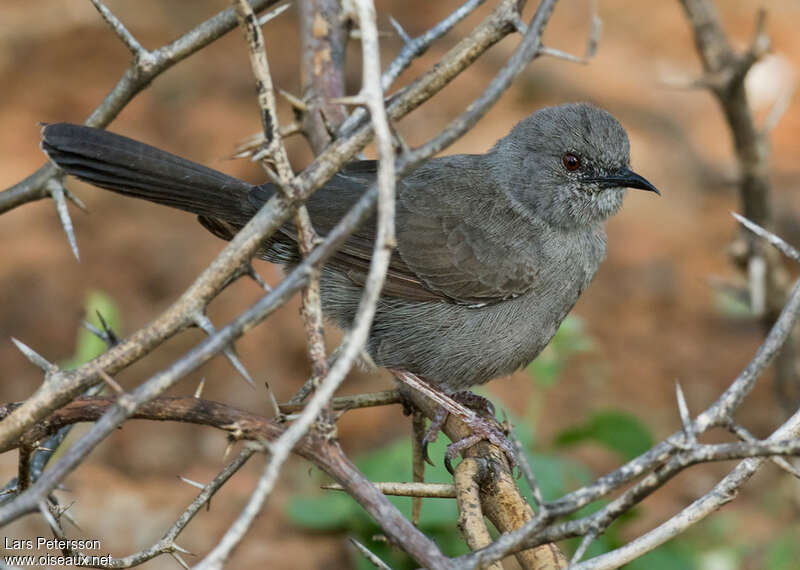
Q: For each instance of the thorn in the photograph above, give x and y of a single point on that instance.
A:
(276, 409)
(110, 382)
(519, 25)
(264, 154)
(368, 554)
(122, 32)
(588, 538)
(228, 449)
(292, 128)
(48, 516)
(94, 330)
(351, 100)
(112, 337)
(253, 274)
(230, 353)
(65, 514)
(56, 190)
(192, 483)
(106, 335)
(557, 53)
(329, 128)
(274, 13)
(199, 391)
(294, 101)
(34, 357)
(247, 146)
(686, 419)
(183, 550)
(400, 31)
(75, 200)
(180, 560)
(355, 34)
(205, 323)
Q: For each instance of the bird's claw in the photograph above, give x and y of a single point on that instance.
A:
(482, 430)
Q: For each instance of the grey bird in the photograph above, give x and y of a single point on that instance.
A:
(493, 250)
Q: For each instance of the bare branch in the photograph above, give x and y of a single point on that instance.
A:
(205, 324)
(786, 249)
(369, 400)
(425, 490)
(357, 335)
(139, 75)
(467, 478)
(722, 493)
(324, 30)
(119, 28)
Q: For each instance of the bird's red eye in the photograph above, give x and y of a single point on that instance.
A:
(570, 161)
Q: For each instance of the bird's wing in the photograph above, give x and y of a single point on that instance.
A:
(326, 208)
(463, 238)
(449, 249)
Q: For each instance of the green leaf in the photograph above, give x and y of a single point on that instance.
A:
(332, 511)
(620, 432)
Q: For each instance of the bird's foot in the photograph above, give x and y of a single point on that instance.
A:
(475, 411)
(482, 429)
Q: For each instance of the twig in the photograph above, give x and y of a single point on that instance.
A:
(369, 555)
(272, 215)
(417, 461)
(745, 435)
(324, 27)
(724, 75)
(385, 398)
(119, 28)
(205, 324)
(139, 75)
(468, 474)
(412, 49)
(527, 471)
(425, 490)
(722, 493)
(786, 249)
(167, 543)
(716, 415)
(357, 335)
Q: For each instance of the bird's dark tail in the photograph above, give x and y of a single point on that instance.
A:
(135, 169)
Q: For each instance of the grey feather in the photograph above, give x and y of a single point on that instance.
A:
(493, 250)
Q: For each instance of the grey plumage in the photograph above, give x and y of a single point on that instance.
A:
(493, 250)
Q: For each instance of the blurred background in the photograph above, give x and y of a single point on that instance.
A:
(600, 394)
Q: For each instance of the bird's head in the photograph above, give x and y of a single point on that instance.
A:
(569, 164)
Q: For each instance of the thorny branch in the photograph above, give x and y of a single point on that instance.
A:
(724, 76)
(484, 474)
(67, 385)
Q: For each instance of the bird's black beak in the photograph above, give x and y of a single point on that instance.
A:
(625, 178)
